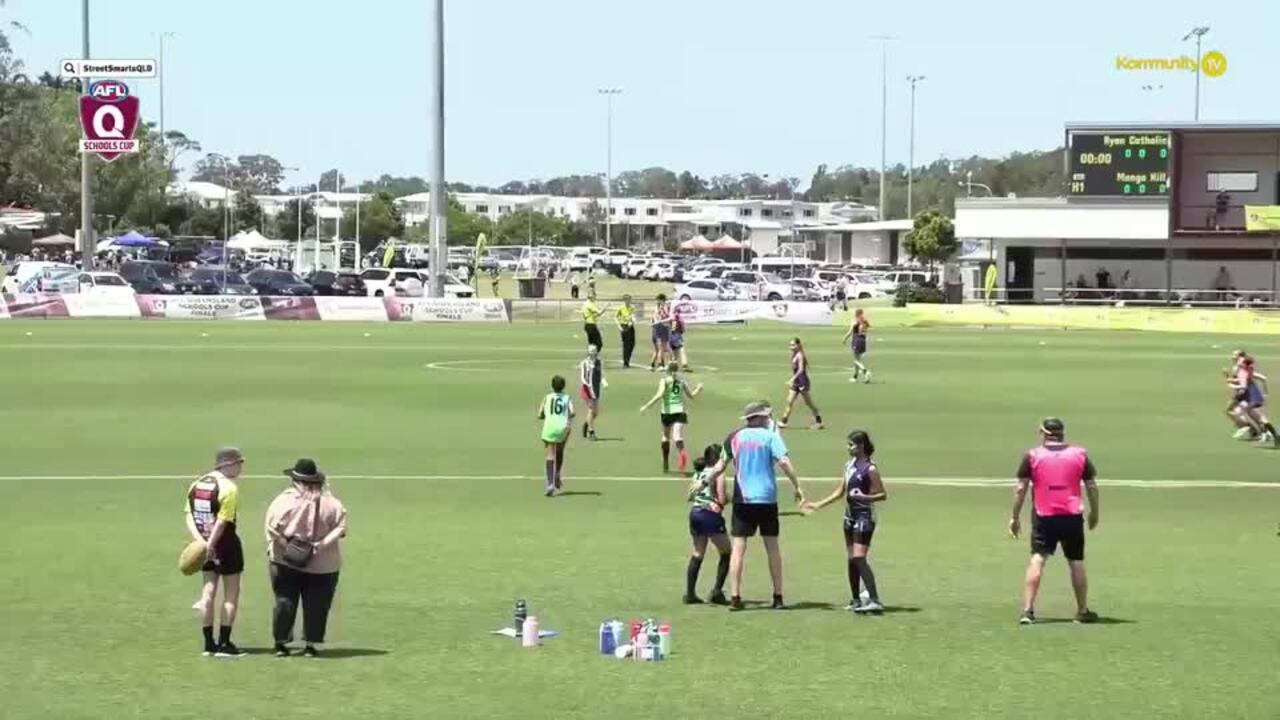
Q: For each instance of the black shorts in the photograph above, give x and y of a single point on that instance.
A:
(230, 555)
(662, 333)
(859, 531)
(671, 419)
(860, 345)
(593, 335)
(1047, 532)
(703, 522)
(750, 517)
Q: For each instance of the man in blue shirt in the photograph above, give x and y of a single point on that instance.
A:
(755, 451)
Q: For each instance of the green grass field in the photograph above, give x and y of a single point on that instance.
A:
(430, 437)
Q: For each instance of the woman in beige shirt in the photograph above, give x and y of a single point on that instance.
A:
(309, 515)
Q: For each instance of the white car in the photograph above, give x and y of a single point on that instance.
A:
(811, 290)
(707, 290)
(104, 284)
(702, 269)
(760, 286)
(661, 270)
(616, 259)
(636, 267)
(24, 272)
(378, 282)
(889, 282)
(582, 259)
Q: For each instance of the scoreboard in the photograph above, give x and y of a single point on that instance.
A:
(1118, 164)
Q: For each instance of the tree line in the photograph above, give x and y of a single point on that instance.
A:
(40, 169)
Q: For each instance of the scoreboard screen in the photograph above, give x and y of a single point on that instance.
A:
(1118, 164)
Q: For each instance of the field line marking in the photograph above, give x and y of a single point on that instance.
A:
(981, 482)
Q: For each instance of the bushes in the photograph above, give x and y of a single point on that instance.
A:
(913, 293)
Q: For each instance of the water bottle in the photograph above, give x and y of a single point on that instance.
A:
(664, 640)
(653, 641)
(641, 646)
(522, 612)
(619, 633)
(607, 644)
(530, 634)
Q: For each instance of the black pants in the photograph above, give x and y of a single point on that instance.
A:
(593, 335)
(316, 593)
(628, 344)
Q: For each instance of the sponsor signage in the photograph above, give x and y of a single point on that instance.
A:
(108, 120)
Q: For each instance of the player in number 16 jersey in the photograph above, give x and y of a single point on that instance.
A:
(556, 414)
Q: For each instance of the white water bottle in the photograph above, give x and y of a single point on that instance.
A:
(529, 633)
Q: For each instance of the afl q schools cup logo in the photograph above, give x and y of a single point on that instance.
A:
(109, 118)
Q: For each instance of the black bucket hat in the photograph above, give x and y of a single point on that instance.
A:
(305, 471)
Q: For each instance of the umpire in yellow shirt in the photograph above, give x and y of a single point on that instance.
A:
(591, 312)
(625, 316)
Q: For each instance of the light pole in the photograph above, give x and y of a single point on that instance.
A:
(160, 71)
(608, 94)
(297, 198)
(884, 117)
(439, 216)
(969, 185)
(86, 167)
(1197, 33)
(355, 258)
(911, 152)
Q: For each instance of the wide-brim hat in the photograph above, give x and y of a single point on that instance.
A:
(757, 409)
(305, 471)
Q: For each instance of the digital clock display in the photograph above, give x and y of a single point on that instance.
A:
(1110, 164)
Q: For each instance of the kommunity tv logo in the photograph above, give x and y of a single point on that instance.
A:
(1212, 63)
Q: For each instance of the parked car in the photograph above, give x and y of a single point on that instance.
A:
(105, 284)
(378, 282)
(220, 281)
(810, 290)
(636, 267)
(150, 277)
(707, 290)
(581, 259)
(889, 282)
(664, 270)
(759, 286)
(328, 282)
(24, 272)
(278, 282)
(616, 259)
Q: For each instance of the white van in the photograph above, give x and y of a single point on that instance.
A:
(797, 266)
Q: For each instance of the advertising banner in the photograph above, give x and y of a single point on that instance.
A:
(35, 305)
(197, 307)
(1207, 320)
(92, 305)
(803, 313)
(290, 308)
(1262, 218)
(446, 310)
(360, 309)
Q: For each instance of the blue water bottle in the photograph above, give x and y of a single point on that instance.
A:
(607, 645)
(522, 612)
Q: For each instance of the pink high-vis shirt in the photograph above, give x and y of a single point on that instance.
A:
(1056, 473)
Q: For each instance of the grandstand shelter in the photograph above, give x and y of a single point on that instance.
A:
(1152, 212)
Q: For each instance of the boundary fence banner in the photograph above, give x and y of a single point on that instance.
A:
(197, 307)
(35, 305)
(81, 305)
(1206, 320)
(446, 310)
(359, 309)
(803, 313)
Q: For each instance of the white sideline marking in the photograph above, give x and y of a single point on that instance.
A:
(922, 481)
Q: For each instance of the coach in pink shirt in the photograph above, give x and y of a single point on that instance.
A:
(1055, 472)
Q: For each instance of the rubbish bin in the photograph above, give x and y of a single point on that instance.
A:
(532, 287)
(954, 293)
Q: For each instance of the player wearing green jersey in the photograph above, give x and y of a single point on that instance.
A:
(672, 391)
(556, 414)
(706, 524)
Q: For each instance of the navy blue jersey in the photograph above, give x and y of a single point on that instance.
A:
(857, 476)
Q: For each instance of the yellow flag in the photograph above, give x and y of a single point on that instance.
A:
(482, 242)
(388, 255)
(1262, 218)
(989, 283)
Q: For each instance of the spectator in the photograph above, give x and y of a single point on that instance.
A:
(304, 526)
(1104, 278)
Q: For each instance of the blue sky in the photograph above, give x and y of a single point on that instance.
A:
(709, 85)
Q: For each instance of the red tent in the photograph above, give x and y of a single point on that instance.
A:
(727, 243)
(697, 243)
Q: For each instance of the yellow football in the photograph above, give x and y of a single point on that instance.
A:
(192, 557)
